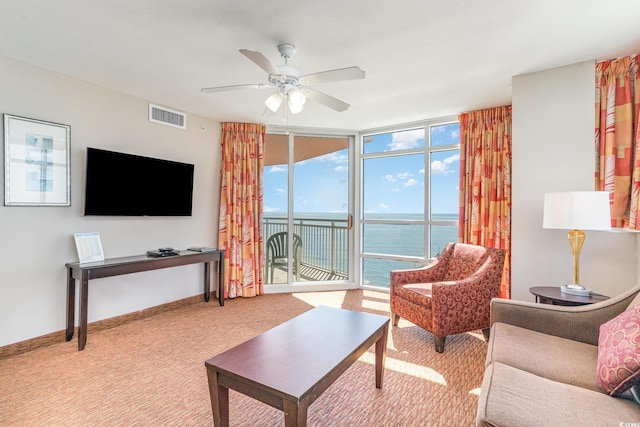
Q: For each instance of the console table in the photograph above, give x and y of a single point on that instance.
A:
(133, 264)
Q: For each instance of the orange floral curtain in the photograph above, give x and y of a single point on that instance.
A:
(485, 183)
(617, 138)
(241, 195)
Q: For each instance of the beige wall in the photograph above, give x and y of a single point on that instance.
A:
(553, 122)
(36, 242)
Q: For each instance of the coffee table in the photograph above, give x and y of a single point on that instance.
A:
(290, 366)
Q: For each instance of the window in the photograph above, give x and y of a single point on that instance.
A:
(410, 191)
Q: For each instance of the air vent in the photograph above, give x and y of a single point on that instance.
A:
(167, 117)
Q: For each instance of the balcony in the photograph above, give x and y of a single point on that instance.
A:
(390, 242)
(325, 247)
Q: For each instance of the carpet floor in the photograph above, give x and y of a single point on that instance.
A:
(151, 372)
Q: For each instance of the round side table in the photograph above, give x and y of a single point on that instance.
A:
(552, 295)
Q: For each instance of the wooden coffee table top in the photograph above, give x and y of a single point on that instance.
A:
(291, 358)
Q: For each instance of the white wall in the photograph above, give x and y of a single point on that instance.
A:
(553, 134)
(36, 242)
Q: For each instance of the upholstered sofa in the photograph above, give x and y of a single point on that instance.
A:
(549, 365)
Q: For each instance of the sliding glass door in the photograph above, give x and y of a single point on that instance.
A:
(307, 193)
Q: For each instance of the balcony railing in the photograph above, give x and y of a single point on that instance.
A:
(325, 245)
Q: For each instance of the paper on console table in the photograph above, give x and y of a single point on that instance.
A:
(89, 247)
(201, 249)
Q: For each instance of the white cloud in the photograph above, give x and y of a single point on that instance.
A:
(453, 133)
(404, 175)
(452, 159)
(277, 169)
(335, 157)
(421, 171)
(383, 206)
(389, 178)
(406, 139)
(341, 168)
(280, 191)
(438, 167)
(410, 183)
(268, 209)
(441, 167)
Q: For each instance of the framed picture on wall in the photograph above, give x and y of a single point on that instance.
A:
(36, 163)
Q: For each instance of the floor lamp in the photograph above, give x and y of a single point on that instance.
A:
(576, 211)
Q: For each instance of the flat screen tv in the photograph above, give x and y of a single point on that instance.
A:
(130, 185)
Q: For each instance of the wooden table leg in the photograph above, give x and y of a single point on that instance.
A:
(207, 281)
(381, 352)
(220, 287)
(71, 304)
(295, 415)
(219, 396)
(84, 302)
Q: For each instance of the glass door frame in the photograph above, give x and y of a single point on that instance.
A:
(353, 232)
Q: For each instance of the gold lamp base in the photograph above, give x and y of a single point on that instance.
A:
(576, 239)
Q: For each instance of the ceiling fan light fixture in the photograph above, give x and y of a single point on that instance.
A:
(295, 108)
(296, 97)
(291, 83)
(274, 102)
(296, 100)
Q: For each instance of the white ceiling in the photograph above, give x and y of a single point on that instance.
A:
(422, 58)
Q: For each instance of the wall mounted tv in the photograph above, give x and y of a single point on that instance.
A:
(129, 185)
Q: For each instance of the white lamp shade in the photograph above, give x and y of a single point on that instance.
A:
(577, 210)
(273, 102)
(296, 97)
(296, 100)
(295, 108)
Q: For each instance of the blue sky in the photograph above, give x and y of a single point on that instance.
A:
(391, 184)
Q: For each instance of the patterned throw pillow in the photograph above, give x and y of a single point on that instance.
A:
(619, 352)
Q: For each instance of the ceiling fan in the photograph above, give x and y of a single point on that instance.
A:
(291, 84)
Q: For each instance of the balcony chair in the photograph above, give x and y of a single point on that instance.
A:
(452, 294)
(276, 254)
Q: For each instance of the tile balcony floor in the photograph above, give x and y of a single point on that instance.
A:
(307, 274)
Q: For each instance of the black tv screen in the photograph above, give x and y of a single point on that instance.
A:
(129, 185)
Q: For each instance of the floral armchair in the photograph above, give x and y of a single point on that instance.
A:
(452, 294)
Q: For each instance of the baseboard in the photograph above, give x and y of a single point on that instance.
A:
(100, 325)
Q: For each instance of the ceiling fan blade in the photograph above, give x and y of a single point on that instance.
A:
(349, 73)
(235, 87)
(260, 60)
(326, 100)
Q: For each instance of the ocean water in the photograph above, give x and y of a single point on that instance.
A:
(384, 244)
(402, 240)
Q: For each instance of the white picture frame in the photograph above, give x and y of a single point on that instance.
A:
(36, 162)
